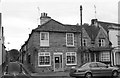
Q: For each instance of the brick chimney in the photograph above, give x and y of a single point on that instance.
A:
(94, 22)
(44, 18)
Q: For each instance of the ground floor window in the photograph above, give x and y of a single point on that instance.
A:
(71, 58)
(87, 57)
(44, 59)
(105, 56)
(117, 58)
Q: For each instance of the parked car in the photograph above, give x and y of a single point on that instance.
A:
(15, 70)
(93, 69)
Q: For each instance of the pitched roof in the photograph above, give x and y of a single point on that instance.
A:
(92, 31)
(55, 26)
(107, 25)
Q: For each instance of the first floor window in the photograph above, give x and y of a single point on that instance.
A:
(71, 58)
(101, 42)
(44, 59)
(69, 39)
(105, 56)
(119, 40)
(84, 42)
(44, 38)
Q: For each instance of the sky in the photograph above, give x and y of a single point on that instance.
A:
(19, 17)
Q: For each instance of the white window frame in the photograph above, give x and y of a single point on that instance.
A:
(67, 39)
(118, 40)
(44, 42)
(86, 57)
(102, 42)
(84, 42)
(71, 55)
(44, 55)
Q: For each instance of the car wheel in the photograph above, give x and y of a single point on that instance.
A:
(115, 74)
(88, 75)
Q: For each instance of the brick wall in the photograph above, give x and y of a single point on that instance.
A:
(57, 44)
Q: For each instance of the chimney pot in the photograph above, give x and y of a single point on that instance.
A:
(44, 18)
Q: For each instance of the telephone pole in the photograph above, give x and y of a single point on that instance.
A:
(81, 34)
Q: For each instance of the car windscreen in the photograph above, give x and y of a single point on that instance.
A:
(85, 65)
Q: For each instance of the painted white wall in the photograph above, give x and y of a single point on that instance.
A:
(0, 46)
(114, 40)
(0, 40)
(113, 37)
(119, 12)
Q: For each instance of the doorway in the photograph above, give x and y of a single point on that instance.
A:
(58, 62)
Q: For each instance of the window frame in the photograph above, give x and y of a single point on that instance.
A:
(101, 42)
(118, 38)
(44, 55)
(67, 39)
(71, 55)
(105, 56)
(84, 39)
(46, 41)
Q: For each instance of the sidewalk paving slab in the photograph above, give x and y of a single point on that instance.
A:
(51, 74)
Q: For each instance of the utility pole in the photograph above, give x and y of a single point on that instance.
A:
(81, 24)
(81, 34)
(81, 14)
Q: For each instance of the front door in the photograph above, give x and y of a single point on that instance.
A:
(58, 62)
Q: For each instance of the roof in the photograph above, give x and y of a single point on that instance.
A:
(55, 26)
(100, 49)
(107, 25)
(92, 31)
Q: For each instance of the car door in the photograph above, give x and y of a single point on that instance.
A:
(94, 69)
(104, 69)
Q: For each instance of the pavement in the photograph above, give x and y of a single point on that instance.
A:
(51, 75)
(54, 75)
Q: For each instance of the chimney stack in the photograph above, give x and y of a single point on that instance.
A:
(94, 22)
(44, 18)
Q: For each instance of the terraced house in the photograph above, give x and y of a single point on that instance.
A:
(54, 46)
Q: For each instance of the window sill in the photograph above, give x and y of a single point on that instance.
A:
(71, 64)
(44, 65)
(44, 46)
(70, 46)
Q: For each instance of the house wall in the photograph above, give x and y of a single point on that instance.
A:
(0, 41)
(101, 34)
(57, 43)
(0, 47)
(99, 54)
(119, 12)
(86, 36)
(113, 36)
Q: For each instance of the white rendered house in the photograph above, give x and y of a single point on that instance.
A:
(114, 37)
